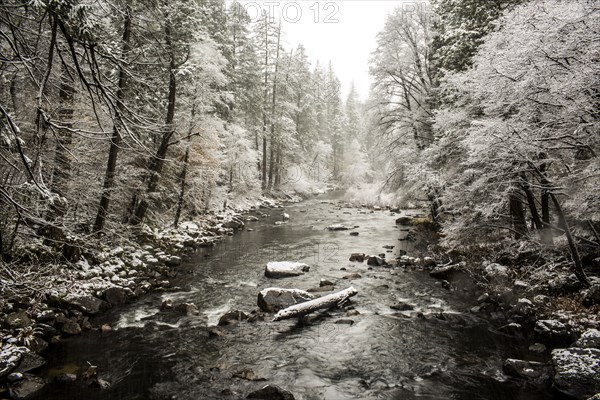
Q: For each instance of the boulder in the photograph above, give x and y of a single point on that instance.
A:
(271, 392)
(115, 295)
(360, 257)
(29, 362)
(534, 372)
(496, 272)
(354, 233)
(577, 371)
(234, 224)
(70, 327)
(564, 284)
(232, 317)
(442, 272)
(402, 306)
(553, 333)
(376, 261)
(173, 261)
(325, 282)
(26, 387)
(523, 308)
(512, 328)
(18, 320)
(589, 339)
(352, 276)
(592, 295)
(275, 299)
(188, 309)
(429, 262)
(404, 220)
(85, 303)
(38, 345)
(284, 269)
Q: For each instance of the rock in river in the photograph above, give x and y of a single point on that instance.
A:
(26, 387)
(232, 317)
(532, 371)
(275, 299)
(338, 227)
(360, 257)
(284, 269)
(271, 392)
(376, 261)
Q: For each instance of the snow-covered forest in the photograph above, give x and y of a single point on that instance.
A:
(133, 133)
(130, 112)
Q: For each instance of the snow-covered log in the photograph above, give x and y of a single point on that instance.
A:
(325, 302)
(284, 269)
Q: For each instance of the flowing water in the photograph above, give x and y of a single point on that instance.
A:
(385, 354)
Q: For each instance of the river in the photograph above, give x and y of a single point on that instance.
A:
(385, 354)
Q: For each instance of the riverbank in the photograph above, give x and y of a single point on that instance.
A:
(535, 298)
(38, 309)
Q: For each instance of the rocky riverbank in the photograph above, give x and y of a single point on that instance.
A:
(533, 296)
(37, 310)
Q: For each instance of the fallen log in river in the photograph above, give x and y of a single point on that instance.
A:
(322, 303)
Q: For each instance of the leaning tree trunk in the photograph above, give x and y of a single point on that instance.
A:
(115, 141)
(577, 267)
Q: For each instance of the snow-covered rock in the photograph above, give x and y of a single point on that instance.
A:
(86, 303)
(275, 299)
(376, 261)
(284, 269)
(338, 227)
(494, 271)
(589, 339)
(524, 307)
(577, 371)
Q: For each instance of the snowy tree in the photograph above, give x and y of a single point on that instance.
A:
(530, 120)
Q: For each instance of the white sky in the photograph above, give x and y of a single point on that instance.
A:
(341, 31)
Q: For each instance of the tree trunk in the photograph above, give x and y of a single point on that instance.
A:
(537, 222)
(271, 160)
(273, 112)
(517, 216)
(184, 170)
(322, 303)
(115, 141)
(264, 160)
(278, 168)
(61, 175)
(265, 101)
(157, 162)
(577, 267)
